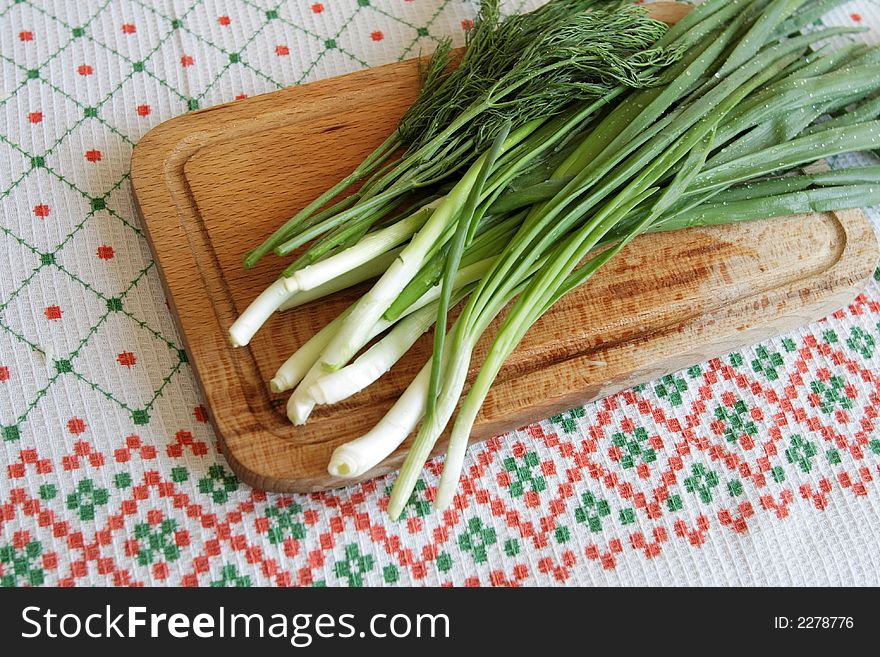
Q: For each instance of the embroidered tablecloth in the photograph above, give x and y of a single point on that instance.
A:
(761, 467)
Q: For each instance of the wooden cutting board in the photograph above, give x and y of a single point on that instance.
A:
(211, 184)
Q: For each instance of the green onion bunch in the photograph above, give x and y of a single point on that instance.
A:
(518, 184)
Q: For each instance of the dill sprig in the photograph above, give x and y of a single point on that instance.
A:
(494, 45)
(532, 65)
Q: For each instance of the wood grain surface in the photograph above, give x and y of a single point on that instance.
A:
(211, 184)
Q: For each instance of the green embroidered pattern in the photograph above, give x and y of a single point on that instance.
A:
(476, 539)
(701, 482)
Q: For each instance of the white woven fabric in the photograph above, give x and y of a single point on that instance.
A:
(757, 468)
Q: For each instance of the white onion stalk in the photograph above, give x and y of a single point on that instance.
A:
(374, 303)
(377, 360)
(381, 357)
(429, 434)
(303, 399)
(323, 274)
(458, 441)
(365, 272)
(355, 458)
(256, 314)
(463, 276)
(301, 402)
(369, 247)
(449, 396)
(359, 456)
(374, 268)
(297, 366)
